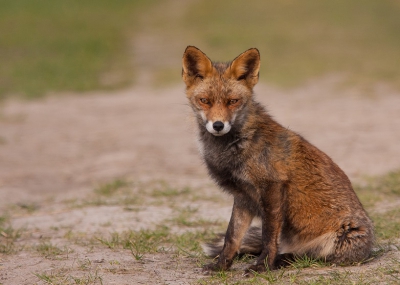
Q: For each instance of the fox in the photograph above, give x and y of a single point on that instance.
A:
(305, 203)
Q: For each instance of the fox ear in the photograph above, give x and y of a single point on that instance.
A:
(246, 67)
(196, 65)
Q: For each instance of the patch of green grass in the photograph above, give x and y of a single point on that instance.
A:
(8, 236)
(376, 194)
(80, 238)
(90, 278)
(306, 262)
(384, 189)
(337, 278)
(114, 262)
(235, 277)
(387, 273)
(48, 250)
(165, 76)
(148, 240)
(109, 189)
(159, 240)
(116, 192)
(391, 270)
(111, 242)
(377, 189)
(29, 207)
(63, 278)
(165, 190)
(190, 242)
(187, 218)
(270, 276)
(139, 243)
(3, 220)
(66, 46)
(388, 184)
(47, 278)
(387, 225)
(131, 195)
(85, 264)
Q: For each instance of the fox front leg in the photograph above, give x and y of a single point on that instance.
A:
(238, 225)
(272, 219)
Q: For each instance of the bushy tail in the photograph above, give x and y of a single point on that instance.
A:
(251, 243)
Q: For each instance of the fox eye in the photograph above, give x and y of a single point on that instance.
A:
(233, 101)
(204, 101)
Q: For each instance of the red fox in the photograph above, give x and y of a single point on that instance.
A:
(306, 203)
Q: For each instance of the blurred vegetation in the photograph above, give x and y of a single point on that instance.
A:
(303, 39)
(381, 188)
(65, 45)
(380, 195)
(86, 45)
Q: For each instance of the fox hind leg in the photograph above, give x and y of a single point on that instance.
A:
(351, 243)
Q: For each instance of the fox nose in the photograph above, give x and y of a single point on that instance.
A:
(218, 126)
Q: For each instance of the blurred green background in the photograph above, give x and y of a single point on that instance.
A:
(51, 46)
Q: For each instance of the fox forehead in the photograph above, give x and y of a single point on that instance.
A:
(219, 86)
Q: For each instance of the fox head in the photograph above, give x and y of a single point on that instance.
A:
(218, 92)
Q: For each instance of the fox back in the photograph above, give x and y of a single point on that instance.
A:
(305, 201)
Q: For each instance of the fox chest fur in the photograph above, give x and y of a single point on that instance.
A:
(244, 163)
(225, 160)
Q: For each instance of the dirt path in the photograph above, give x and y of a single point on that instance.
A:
(73, 142)
(60, 148)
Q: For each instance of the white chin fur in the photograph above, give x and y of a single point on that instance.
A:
(225, 130)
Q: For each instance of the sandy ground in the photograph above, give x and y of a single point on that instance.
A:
(62, 147)
(73, 142)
